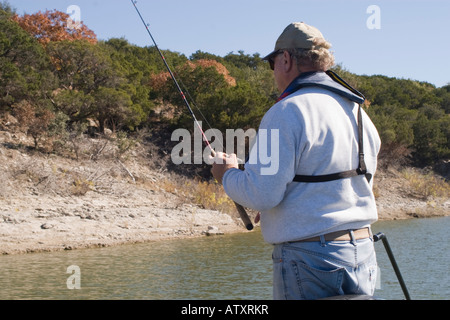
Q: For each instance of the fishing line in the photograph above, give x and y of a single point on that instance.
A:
(183, 96)
(197, 108)
(243, 214)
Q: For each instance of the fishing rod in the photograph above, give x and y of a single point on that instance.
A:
(242, 213)
(381, 236)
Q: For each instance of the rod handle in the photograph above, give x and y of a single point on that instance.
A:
(244, 216)
(241, 210)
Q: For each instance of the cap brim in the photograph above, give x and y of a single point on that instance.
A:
(270, 55)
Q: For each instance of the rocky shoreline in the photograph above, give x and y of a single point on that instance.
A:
(37, 223)
(50, 203)
(44, 224)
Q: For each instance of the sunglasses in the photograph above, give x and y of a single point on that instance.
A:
(271, 60)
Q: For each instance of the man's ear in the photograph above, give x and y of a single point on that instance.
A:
(288, 62)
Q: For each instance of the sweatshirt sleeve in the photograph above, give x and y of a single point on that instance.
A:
(272, 162)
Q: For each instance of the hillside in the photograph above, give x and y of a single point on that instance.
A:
(50, 203)
(69, 183)
(53, 203)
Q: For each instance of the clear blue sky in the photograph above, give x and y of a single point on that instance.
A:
(413, 41)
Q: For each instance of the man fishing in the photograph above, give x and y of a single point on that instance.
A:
(317, 208)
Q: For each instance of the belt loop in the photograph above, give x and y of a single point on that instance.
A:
(322, 241)
(352, 237)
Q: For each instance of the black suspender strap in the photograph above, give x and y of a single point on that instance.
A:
(362, 168)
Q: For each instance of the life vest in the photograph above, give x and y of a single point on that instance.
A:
(332, 82)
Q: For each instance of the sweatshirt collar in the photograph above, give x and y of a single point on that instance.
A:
(327, 80)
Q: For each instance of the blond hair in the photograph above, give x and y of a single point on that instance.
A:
(318, 57)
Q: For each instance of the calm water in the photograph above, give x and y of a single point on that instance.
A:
(219, 268)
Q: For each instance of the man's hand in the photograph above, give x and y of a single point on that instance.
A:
(258, 218)
(221, 163)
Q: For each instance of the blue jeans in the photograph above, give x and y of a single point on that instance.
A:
(316, 270)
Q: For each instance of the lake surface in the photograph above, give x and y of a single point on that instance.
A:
(231, 267)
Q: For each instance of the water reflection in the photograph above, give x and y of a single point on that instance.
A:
(230, 267)
(206, 268)
(423, 255)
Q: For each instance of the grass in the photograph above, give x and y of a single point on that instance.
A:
(207, 195)
(29, 170)
(81, 186)
(426, 186)
(212, 196)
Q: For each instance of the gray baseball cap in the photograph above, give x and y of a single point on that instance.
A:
(297, 35)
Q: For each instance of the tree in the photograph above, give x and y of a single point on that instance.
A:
(54, 25)
(198, 77)
(243, 60)
(135, 66)
(6, 8)
(97, 83)
(430, 141)
(81, 68)
(113, 106)
(80, 65)
(238, 107)
(34, 121)
(444, 94)
(252, 69)
(76, 104)
(24, 65)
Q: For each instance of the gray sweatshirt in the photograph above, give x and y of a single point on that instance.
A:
(311, 132)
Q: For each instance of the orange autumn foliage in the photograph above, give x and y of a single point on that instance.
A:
(157, 81)
(221, 69)
(54, 26)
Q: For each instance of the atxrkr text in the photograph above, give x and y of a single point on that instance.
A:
(234, 309)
